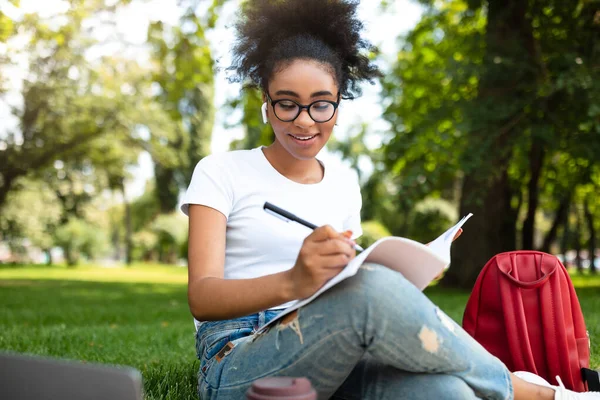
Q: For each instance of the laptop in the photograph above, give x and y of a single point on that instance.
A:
(27, 377)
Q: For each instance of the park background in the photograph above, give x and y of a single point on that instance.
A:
(486, 106)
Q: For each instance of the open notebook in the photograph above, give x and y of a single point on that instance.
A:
(419, 263)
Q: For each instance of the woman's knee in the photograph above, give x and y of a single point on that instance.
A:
(374, 288)
(378, 293)
(371, 276)
(374, 283)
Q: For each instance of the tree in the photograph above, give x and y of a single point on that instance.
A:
(185, 77)
(89, 116)
(68, 102)
(32, 212)
(80, 238)
(489, 93)
(7, 30)
(171, 234)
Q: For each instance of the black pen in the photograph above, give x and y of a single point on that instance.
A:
(288, 216)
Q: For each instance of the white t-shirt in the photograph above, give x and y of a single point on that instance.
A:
(238, 183)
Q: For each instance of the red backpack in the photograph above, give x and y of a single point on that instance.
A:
(524, 310)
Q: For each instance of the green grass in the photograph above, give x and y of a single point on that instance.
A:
(105, 315)
(139, 317)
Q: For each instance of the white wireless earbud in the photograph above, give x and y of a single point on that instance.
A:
(263, 110)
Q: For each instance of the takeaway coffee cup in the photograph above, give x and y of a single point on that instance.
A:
(281, 388)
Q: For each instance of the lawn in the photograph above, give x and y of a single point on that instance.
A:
(139, 317)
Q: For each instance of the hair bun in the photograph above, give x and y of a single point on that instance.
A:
(273, 31)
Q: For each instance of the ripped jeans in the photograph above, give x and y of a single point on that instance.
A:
(372, 336)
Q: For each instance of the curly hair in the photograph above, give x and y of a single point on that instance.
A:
(271, 34)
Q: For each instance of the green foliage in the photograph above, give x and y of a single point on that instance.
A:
(354, 149)
(7, 30)
(145, 244)
(430, 218)
(61, 211)
(80, 238)
(427, 220)
(442, 125)
(31, 213)
(75, 111)
(185, 78)
(257, 133)
(372, 231)
(433, 81)
(502, 98)
(6, 27)
(144, 209)
(171, 233)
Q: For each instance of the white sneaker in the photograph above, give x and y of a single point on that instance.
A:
(560, 392)
(563, 393)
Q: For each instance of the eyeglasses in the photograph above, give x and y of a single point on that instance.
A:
(288, 110)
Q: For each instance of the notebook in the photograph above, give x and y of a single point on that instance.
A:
(419, 263)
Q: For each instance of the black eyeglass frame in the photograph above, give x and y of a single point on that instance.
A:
(301, 107)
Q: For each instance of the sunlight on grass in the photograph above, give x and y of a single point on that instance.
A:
(585, 280)
(130, 317)
(138, 316)
(135, 273)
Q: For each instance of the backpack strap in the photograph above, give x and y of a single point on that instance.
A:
(506, 266)
(561, 347)
(515, 321)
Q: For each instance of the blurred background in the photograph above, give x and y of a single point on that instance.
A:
(490, 107)
(486, 106)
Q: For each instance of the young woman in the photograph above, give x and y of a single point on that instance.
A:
(374, 336)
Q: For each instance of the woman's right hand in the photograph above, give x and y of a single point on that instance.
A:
(323, 255)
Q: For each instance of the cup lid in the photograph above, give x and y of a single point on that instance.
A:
(283, 387)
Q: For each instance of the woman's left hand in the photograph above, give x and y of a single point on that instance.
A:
(460, 231)
(457, 234)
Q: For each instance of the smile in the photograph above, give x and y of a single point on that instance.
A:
(302, 138)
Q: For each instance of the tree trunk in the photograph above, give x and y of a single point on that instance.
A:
(6, 183)
(71, 256)
(564, 241)
(577, 242)
(167, 188)
(489, 232)
(128, 233)
(49, 256)
(172, 255)
(536, 158)
(508, 75)
(116, 242)
(561, 216)
(592, 242)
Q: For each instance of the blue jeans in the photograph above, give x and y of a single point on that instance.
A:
(373, 336)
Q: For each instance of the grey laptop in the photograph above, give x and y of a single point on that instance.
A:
(28, 377)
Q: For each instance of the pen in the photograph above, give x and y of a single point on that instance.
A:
(288, 216)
